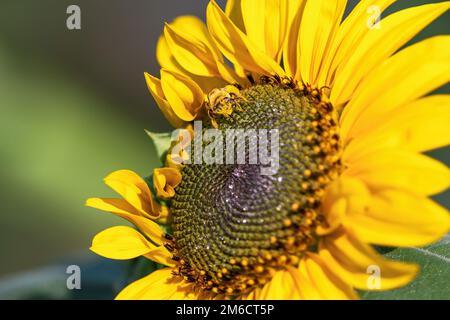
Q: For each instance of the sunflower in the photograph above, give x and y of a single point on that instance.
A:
(355, 115)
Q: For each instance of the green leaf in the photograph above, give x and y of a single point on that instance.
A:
(161, 141)
(434, 278)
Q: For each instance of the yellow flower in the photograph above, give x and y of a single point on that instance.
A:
(357, 118)
(165, 181)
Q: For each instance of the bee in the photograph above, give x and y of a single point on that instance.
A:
(272, 80)
(222, 102)
(276, 79)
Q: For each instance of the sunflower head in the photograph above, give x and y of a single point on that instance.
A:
(344, 115)
(234, 227)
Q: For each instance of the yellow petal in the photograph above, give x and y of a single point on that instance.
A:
(184, 95)
(195, 28)
(159, 285)
(123, 209)
(396, 168)
(350, 34)
(162, 256)
(116, 206)
(388, 217)
(254, 295)
(176, 160)
(193, 48)
(191, 27)
(192, 53)
(165, 57)
(400, 219)
(155, 88)
(234, 44)
(135, 191)
(379, 43)
(317, 282)
(320, 21)
(266, 24)
(276, 26)
(178, 153)
(253, 14)
(342, 195)
(408, 75)
(234, 12)
(165, 181)
(167, 61)
(291, 50)
(420, 126)
(352, 261)
(121, 243)
(283, 286)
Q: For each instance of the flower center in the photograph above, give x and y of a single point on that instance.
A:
(233, 227)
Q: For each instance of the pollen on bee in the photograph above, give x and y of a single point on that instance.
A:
(294, 260)
(282, 259)
(222, 102)
(287, 222)
(295, 206)
(290, 241)
(267, 256)
(259, 269)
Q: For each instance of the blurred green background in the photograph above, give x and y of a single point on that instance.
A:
(74, 106)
